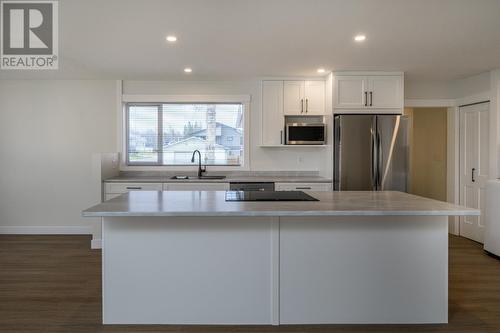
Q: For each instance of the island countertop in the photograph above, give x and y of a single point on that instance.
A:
(212, 203)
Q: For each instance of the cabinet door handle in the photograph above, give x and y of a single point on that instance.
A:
(134, 188)
(281, 137)
(307, 105)
(303, 188)
(302, 105)
(473, 171)
(371, 98)
(366, 98)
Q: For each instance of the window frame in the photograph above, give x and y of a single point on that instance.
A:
(158, 164)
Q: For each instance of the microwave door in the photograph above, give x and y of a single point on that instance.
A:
(353, 153)
(305, 134)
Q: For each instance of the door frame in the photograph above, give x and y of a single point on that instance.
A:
(453, 144)
(452, 150)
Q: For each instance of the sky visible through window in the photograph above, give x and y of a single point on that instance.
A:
(216, 130)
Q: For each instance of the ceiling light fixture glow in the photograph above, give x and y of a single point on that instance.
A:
(321, 70)
(359, 38)
(187, 70)
(171, 39)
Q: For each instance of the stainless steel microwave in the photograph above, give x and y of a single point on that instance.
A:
(305, 133)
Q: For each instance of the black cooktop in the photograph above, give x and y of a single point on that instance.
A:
(268, 196)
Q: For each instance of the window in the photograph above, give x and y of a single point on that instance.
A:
(168, 133)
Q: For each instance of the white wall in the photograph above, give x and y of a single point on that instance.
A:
(48, 133)
(50, 129)
(495, 120)
(427, 90)
(261, 159)
(470, 86)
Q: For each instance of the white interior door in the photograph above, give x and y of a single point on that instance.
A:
(474, 164)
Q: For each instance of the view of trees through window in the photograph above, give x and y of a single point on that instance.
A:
(167, 134)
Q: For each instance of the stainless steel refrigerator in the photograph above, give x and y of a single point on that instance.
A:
(371, 153)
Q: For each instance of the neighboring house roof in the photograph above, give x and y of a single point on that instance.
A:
(218, 127)
(190, 144)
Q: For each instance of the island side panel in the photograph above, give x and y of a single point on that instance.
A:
(357, 270)
(182, 270)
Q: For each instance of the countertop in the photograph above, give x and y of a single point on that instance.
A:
(228, 179)
(212, 203)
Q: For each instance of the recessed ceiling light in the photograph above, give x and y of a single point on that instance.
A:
(188, 70)
(321, 70)
(359, 38)
(171, 39)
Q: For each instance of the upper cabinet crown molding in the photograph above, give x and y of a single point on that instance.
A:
(368, 92)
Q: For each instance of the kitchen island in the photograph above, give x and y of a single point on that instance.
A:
(190, 257)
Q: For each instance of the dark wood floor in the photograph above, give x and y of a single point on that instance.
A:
(52, 284)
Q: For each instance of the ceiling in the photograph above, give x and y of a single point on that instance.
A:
(431, 40)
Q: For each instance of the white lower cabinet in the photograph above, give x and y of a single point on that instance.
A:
(112, 190)
(303, 186)
(195, 186)
(115, 188)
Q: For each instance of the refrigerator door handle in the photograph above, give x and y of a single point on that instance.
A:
(374, 160)
(379, 162)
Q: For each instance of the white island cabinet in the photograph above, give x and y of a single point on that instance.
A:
(190, 257)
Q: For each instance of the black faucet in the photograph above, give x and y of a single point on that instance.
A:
(200, 169)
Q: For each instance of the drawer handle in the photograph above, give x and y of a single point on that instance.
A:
(303, 188)
(134, 188)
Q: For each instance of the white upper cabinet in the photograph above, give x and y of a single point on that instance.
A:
(302, 98)
(350, 92)
(368, 93)
(272, 113)
(314, 97)
(290, 98)
(293, 97)
(386, 91)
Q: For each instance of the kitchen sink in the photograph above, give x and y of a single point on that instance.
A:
(196, 177)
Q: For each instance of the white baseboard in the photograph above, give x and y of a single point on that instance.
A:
(96, 244)
(45, 230)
